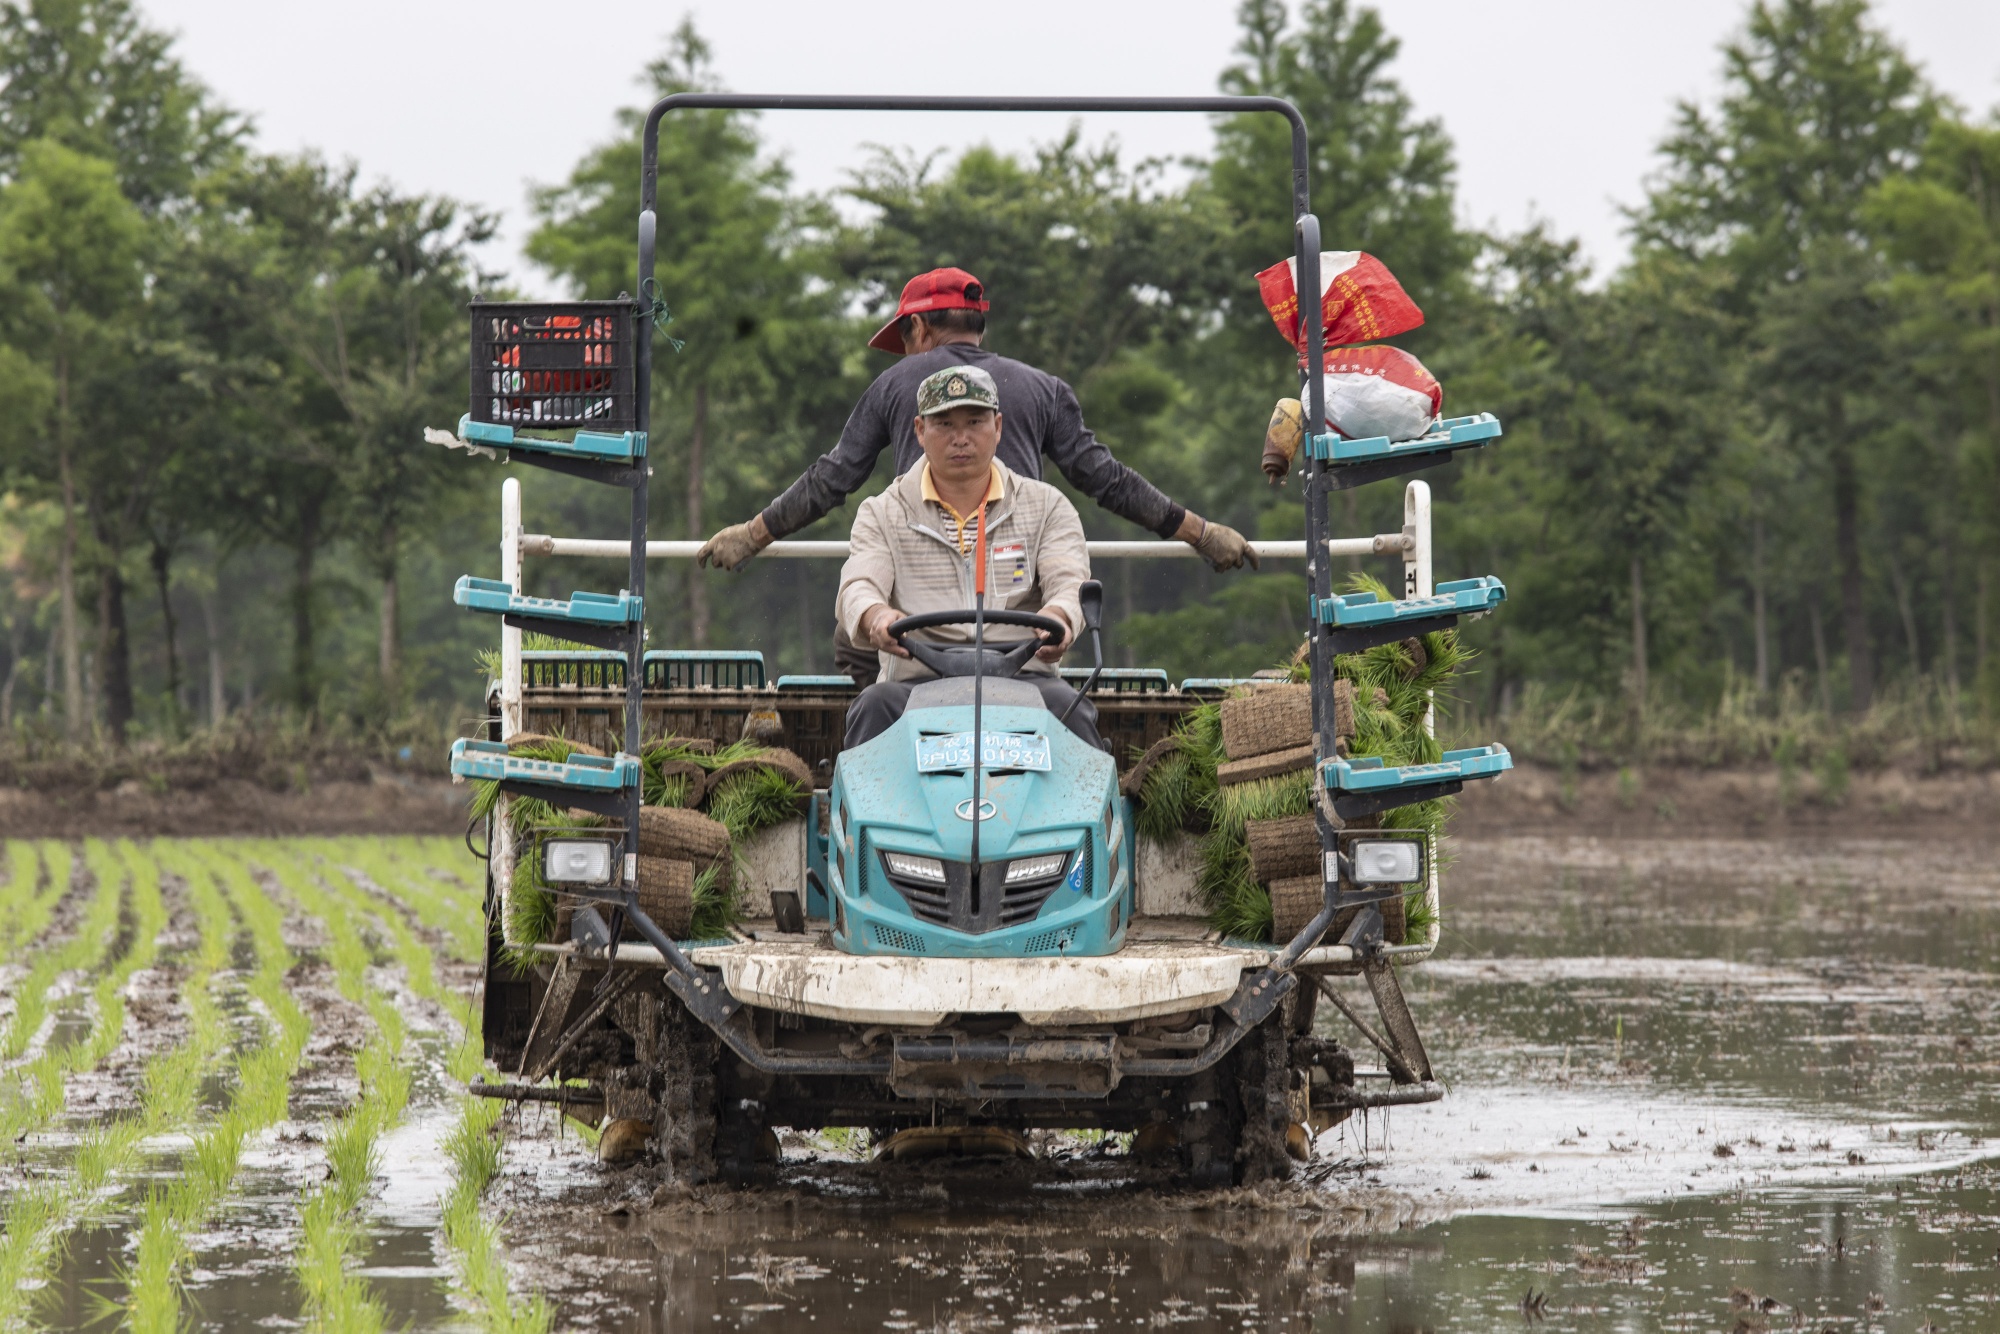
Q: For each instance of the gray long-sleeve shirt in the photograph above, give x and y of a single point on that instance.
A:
(1039, 415)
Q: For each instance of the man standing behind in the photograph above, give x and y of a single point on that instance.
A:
(940, 323)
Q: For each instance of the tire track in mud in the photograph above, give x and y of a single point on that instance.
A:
(40, 1213)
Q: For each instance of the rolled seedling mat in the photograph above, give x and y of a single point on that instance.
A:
(1133, 782)
(1296, 900)
(1395, 922)
(777, 760)
(1273, 765)
(1284, 848)
(1269, 718)
(682, 835)
(523, 740)
(1418, 658)
(666, 894)
(696, 776)
(700, 745)
(1343, 708)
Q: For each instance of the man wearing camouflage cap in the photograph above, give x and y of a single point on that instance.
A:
(940, 323)
(915, 547)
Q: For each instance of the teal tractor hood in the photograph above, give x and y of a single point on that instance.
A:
(1054, 847)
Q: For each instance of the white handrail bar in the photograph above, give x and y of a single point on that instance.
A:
(511, 551)
(542, 544)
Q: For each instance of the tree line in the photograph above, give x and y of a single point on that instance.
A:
(1755, 461)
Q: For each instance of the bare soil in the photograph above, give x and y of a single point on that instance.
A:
(1644, 801)
(379, 803)
(1668, 801)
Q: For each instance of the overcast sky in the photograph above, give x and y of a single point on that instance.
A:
(1555, 106)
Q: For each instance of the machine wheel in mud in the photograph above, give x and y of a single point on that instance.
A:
(685, 1132)
(1238, 1113)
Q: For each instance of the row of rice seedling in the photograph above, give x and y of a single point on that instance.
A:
(473, 1144)
(35, 1095)
(39, 876)
(406, 869)
(259, 1099)
(330, 1221)
(40, 1215)
(86, 948)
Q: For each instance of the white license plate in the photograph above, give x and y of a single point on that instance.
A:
(1003, 750)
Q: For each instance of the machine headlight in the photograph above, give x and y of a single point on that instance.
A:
(577, 861)
(1387, 861)
(1045, 867)
(914, 868)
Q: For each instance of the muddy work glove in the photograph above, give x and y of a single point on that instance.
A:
(1223, 547)
(732, 548)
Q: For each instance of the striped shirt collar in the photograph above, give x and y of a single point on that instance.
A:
(964, 529)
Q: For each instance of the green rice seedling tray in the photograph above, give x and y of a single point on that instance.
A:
(491, 761)
(1362, 620)
(1354, 462)
(1367, 786)
(494, 595)
(601, 620)
(598, 783)
(596, 446)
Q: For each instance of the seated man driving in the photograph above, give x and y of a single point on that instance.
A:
(914, 547)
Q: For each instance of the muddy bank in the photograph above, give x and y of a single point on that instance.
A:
(379, 803)
(1663, 801)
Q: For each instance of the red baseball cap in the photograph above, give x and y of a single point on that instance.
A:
(940, 289)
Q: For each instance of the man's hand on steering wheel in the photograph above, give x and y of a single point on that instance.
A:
(875, 623)
(1055, 647)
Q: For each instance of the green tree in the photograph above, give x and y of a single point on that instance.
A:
(1940, 229)
(1384, 181)
(354, 340)
(92, 76)
(71, 253)
(1819, 107)
(736, 263)
(1081, 257)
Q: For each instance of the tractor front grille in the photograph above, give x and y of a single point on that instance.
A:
(991, 905)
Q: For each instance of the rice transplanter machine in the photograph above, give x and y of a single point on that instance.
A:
(964, 927)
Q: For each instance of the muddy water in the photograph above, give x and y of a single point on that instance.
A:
(1695, 1086)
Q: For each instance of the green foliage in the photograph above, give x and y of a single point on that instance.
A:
(1169, 797)
(1755, 450)
(714, 906)
(1393, 699)
(754, 800)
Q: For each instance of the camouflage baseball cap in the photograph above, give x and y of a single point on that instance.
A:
(954, 387)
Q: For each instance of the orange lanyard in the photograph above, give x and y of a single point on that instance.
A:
(979, 555)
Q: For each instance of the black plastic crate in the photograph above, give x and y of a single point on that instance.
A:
(553, 365)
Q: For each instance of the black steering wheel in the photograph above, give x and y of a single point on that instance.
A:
(960, 659)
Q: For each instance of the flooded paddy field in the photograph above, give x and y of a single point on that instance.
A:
(1725, 1084)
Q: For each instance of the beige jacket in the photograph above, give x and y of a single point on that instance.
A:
(899, 554)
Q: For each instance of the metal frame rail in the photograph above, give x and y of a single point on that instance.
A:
(1261, 991)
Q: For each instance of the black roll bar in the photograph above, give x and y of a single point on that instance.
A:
(1306, 250)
